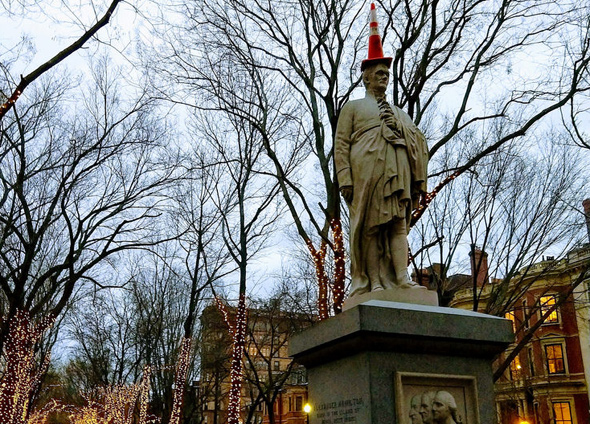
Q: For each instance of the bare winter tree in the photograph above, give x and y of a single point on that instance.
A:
(517, 206)
(10, 90)
(80, 185)
(249, 211)
(462, 70)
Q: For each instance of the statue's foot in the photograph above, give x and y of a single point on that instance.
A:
(377, 288)
(409, 284)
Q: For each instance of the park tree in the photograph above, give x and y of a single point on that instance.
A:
(11, 90)
(249, 212)
(518, 207)
(475, 76)
(81, 184)
(78, 189)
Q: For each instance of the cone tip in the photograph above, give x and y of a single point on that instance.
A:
(372, 6)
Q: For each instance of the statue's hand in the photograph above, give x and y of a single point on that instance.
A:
(346, 192)
(393, 125)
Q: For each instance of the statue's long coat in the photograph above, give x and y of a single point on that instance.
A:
(385, 171)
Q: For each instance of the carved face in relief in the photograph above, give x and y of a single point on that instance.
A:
(415, 410)
(443, 407)
(426, 407)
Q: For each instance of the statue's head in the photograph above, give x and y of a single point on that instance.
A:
(443, 406)
(415, 410)
(376, 78)
(426, 406)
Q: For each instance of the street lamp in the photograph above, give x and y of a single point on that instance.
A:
(307, 410)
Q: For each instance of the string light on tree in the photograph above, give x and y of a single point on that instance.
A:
(21, 376)
(339, 266)
(319, 258)
(180, 379)
(239, 341)
(145, 394)
(429, 197)
(224, 312)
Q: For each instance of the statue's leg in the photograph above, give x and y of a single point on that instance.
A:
(398, 245)
(372, 259)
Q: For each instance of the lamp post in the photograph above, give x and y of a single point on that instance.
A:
(307, 410)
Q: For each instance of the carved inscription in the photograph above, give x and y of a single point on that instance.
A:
(340, 412)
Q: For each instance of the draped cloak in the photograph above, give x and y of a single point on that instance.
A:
(386, 172)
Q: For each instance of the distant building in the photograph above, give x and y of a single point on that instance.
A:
(548, 381)
(274, 389)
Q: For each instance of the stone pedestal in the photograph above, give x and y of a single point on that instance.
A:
(366, 364)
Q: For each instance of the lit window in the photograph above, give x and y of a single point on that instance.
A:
(515, 368)
(562, 413)
(547, 302)
(554, 354)
(510, 315)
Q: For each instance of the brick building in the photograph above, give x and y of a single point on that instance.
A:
(548, 380)
(274, 389)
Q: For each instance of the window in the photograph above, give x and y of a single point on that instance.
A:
(547, 302)
(510, 315)
(277, 365)
(299, 403)
(554, 356)
(525, 314)
(515, 368)
(562, 413)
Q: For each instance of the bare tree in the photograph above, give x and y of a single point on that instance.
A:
(11, 95)
(248, 212)
(80, 186)
(456, 70)
(518, 206)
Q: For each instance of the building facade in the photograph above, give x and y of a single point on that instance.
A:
(274, 389)
(547, 381)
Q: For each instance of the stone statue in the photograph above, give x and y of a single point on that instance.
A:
(381, 159)
(444, 408)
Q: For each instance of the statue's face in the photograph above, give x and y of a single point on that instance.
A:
(414, 410)
(426, 408)
(440, 409)
(377, 77)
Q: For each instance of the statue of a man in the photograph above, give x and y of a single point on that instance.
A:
(381, 159)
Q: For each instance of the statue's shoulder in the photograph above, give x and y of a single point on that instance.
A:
(359, 107)
(358, 102)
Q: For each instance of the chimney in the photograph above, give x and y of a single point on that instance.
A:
(422, 277)
(479, 265)
(586, 205)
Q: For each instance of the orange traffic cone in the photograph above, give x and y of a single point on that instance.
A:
(375, 47)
